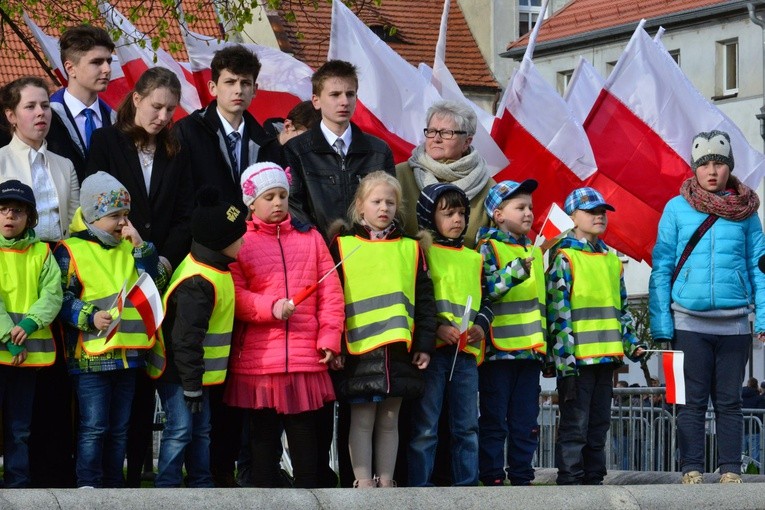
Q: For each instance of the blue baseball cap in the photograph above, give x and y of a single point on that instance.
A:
(586, 199)
(504, 190)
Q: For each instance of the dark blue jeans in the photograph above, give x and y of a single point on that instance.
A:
(580, 454)
(714, 368)
(105, 400)
(17, 392)
(509, 397)
(461, 395)
(186, 439)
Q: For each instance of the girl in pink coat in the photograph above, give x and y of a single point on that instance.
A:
(280, 351)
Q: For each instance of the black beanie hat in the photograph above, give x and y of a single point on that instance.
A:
(216, 224)
(426, 210)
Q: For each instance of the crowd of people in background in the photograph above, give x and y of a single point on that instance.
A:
(274, 324)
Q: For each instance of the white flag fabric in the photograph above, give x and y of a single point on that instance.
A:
(446, 85)
(148, 301)
(674, 376)
(583, 89)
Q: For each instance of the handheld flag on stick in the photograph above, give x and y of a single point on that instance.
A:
(674, 374)
(303, 294)
(117, 305)
(146, 298)
(556, 223)
(463, 333)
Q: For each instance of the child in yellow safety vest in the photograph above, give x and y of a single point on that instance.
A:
(443, 209)
(104, 253)
(196, 334)
(30, 298)
(508, 381)
(591, 329)
(389, 325)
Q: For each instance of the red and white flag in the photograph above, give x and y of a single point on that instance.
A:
(674, 376)
(640, 129)
(118, 84)
(119, 304)
(283, 80)
(147, 300)
(540, 136)
(134, 59)
(556, 223)
(447, 86)
(393, 96)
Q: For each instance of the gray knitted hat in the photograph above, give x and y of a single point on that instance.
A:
(102, 194)
(711, 146)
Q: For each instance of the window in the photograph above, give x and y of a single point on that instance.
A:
(727, 67)
(675, 54)
(528, 12)
(563, 79)
(610, 67)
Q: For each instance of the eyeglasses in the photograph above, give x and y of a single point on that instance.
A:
(5, 211)
(445, 134)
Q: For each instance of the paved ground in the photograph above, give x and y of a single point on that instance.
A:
(623, 490)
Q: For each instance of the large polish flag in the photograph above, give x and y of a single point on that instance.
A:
(118, 84)
(540, 136)
(283, 80)
(393, 97)
(135, 60)
(640, 129)
(447, 86)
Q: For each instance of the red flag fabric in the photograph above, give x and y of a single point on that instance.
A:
(556, 223)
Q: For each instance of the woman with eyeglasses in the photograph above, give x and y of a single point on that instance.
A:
(447, 156)
(26, 105)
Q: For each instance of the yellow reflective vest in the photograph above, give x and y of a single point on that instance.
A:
(19, 290)
(217, 341)
(378, 285)
(456, 273)
(520, 316)
(102, 274)
(595, 303)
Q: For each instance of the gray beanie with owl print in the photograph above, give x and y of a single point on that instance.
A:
(711, 146)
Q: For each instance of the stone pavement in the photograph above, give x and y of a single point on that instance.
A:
(658, 491)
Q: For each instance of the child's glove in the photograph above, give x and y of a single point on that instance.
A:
(567, 388)
(193, 401)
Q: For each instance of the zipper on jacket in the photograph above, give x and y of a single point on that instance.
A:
(743, 286)
(387, 369)
(712, 266)
(286, 291)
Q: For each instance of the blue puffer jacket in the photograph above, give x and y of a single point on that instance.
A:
(721, 272)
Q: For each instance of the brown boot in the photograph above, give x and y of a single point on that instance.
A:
(383, 482)
(365, 484)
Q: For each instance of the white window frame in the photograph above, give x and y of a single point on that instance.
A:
(728, 66)
(563, 78)
(532, 13)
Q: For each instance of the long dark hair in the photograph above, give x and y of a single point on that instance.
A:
(150, 80)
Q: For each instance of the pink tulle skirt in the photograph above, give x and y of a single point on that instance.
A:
(287, 393)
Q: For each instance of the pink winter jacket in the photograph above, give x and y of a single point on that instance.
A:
(277, 261)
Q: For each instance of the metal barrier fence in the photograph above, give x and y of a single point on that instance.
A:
(643, 435)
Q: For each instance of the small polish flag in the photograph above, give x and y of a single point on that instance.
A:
(119, 304)
(556, 223)
(148, 301)
(672, 361)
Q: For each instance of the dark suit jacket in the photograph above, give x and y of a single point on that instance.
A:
(161, 216)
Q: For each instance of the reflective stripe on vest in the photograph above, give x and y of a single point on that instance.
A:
(595, 303)
(378, 286)
(520, 316)
(19, 289)
(102, 273)
(456, 274)
(217, 341)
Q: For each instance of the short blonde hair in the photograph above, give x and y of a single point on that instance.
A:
(366, 186)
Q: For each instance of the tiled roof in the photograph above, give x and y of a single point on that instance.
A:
(580, 17)
(417, 24)
(16, 59)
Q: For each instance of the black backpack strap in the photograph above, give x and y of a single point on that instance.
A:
(692, 242)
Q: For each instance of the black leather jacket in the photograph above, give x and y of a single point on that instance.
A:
(323, 184)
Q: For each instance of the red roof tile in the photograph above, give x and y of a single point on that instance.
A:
(417, 24)
(16, 59)
(582, 16)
